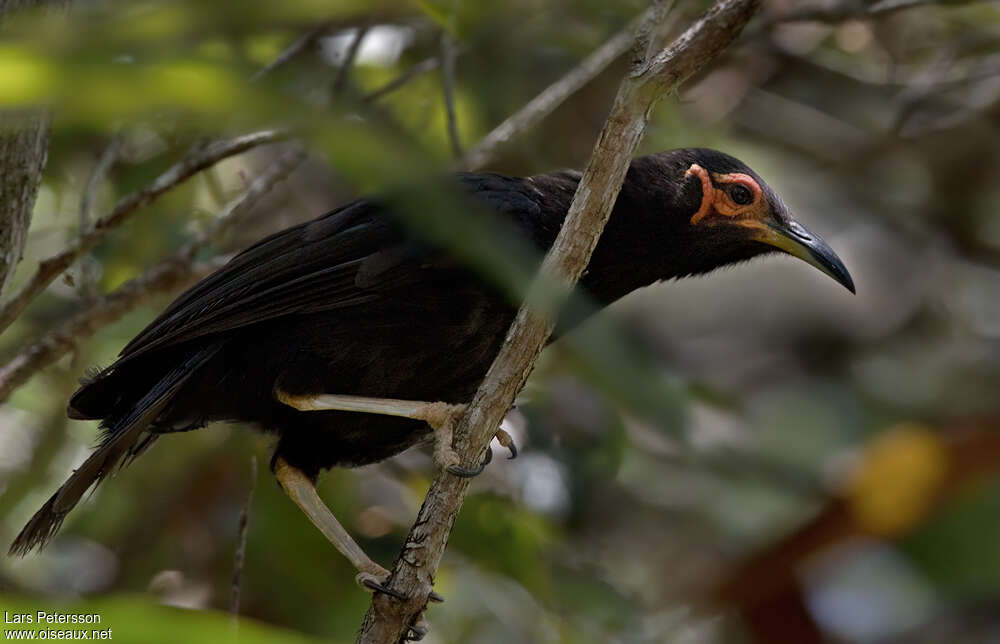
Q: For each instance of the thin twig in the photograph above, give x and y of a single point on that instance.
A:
(388, 620)
(173, 273)
(107, 159)
(241, 544)
(214, 184)
(448, 56)
(344, 71)
(483, 152)
(88, 283)
(424, 66)
(237, 208)
(851, 9)
(192, 163)
(305, 41)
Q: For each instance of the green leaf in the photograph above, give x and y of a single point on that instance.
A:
(138, 620)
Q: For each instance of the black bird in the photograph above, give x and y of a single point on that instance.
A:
(332, 333)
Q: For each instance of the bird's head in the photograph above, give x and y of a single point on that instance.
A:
(726, 213)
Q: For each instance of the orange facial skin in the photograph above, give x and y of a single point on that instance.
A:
(715, 197)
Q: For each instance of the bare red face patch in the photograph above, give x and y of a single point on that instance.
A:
(732, 195)
(707, 191)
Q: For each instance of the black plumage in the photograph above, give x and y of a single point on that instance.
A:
(352, 303)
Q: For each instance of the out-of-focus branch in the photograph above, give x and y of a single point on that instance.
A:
(192, 163)
(177, 271)
(448, 55)
(236, 588)
(302, 43)
(550, 98)
(24, 148)
(388, 620)
(24, 144)
(851, 9)
(344, 71)
(424, 66)
(166, 277)
(87, 285)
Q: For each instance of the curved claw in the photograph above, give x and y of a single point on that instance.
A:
(417, 632)
(507, 441)
(376, 587)
(436, 598)
(467, 473)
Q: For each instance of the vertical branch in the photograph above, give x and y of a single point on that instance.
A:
(88, 269)
(448, 55)
(343, 72)
(241, 544)
(388, 620)
(24, 144)
(24, 150)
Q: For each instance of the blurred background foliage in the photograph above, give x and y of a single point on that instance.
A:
(774, 460)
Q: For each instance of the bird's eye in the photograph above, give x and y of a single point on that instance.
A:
(741, 195)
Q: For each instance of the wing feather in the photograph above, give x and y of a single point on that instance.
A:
(307, 268)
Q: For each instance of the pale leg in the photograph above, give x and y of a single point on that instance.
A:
(300, 489)
(439, 415)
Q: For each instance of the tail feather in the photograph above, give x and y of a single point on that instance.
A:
(125, 437)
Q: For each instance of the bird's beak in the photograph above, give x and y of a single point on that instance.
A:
(791, 237)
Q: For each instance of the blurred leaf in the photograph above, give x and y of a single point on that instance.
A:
(960, 549)
(139, 621)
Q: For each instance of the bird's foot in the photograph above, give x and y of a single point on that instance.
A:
(446, 458)
(378, 582)
(441, 417)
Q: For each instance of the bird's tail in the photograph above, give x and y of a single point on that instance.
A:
(124, 436)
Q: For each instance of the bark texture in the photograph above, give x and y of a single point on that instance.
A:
(24, 146)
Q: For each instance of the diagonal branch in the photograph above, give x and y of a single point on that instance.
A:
(173, 273)
(553, 96)
(301, 44)
(424, 66)
(344, 71)
(388, 620)
(848, 9)
(192, 163)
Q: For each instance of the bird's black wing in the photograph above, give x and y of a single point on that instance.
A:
(307, 268)
(343, 259)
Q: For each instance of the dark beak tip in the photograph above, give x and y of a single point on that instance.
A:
(838, 271)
